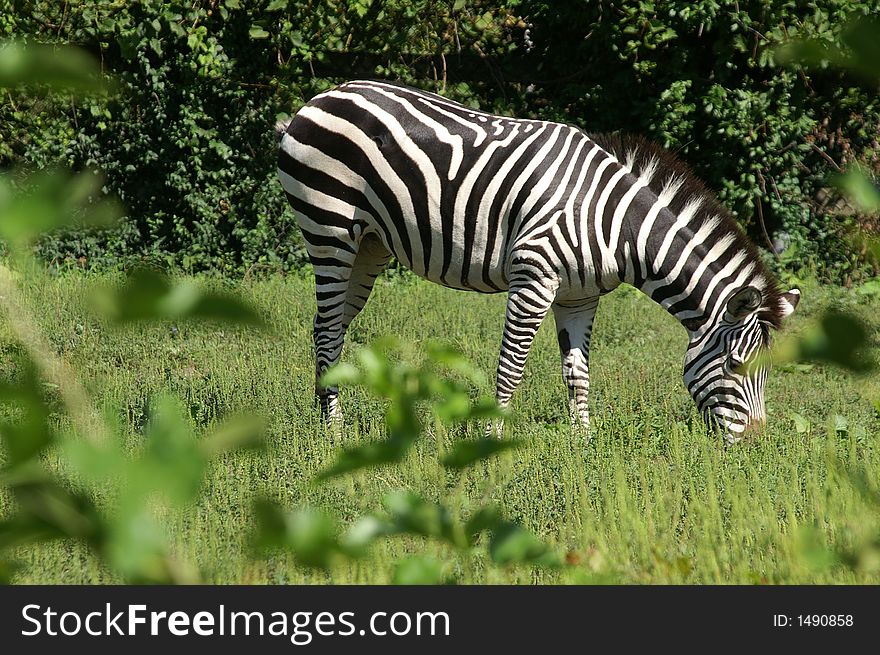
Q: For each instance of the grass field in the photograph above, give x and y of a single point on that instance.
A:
(651, 499)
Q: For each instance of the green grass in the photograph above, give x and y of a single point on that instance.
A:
(653, 498)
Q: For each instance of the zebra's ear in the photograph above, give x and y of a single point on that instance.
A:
(788, 301)
(744, 302)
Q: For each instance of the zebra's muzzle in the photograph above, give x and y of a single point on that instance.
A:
(733, 429)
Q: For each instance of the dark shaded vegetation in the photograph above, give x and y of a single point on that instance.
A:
(187, 142)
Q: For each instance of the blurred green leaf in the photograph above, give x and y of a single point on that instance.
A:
(135, 546)
(235, 433)
(48, 510)
(411, 514)
(485, 408)
(310, 535)
(864, 558)
(453, 360)
(859, 51)
(8, 569)
(813, 551)
(312, 538)
(512, 544)
(126, 537)
(380, 376)
(810, 53)
(858, 186)
(360, 536)
(96, 463)
(839, 339)
(58, 68)
(465, 453)
(380, 453)
(49, 200)
(271, 525)
(21, 530)
(147, 295)
(801, 424)
(343, 373)
(28, 433)
(454, 405)
(173, 463)
(485, 518)
(212, 306)
(405, 386)
(420, 570)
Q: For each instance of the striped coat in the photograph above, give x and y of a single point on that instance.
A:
(551, 215)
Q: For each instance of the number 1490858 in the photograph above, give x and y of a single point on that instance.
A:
(813, 621)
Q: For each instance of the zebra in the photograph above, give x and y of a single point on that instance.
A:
(552, 215)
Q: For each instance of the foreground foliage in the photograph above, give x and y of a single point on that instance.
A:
(652, 499)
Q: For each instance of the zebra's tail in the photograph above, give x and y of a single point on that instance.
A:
(281, 127)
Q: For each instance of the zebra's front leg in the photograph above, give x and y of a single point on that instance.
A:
(574, 327)
(526, 308)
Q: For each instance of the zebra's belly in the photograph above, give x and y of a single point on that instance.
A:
(465, 267)
(466, 285)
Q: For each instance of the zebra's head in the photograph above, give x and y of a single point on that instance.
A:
(723, 370)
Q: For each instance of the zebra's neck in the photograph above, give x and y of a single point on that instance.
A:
(680, 246)
(690, 265)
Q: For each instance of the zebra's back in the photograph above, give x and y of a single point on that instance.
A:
(448, 189)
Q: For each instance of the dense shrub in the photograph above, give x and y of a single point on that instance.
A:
(187, 142)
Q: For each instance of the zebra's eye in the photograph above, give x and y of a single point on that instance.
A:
(733, 363)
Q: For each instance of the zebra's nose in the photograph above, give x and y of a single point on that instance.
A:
(754, 425)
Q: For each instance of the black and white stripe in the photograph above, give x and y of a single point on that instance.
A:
(551, 215)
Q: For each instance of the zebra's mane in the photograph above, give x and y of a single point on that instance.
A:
(641, 154)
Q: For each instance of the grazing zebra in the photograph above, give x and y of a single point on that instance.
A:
(550, 214)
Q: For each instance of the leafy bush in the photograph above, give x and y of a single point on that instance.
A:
(187, 143)
(188, 146)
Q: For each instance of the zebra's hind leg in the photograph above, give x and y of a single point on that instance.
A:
(574, 327)
(331, 287)
(526, 308)
(371, 260)
(342, 286)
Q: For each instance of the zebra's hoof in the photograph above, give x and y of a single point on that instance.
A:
(580, 429)
(495, 429)
(333, 421)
